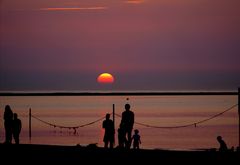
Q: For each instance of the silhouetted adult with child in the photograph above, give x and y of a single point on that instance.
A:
(8, 121)
(136, 139)
(121, 137)
(223, 146)
(109, 131)
(127, 124)
(17, 126)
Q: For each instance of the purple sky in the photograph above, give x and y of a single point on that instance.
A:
(145, 44)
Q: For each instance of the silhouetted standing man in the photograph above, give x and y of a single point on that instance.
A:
(109, 131)
(8, 120)
(17, 126)
(127, 124)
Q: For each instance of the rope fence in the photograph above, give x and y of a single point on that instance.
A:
(187, 125)
(67, 127)
(138, 123)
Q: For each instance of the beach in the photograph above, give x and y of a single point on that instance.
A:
(34, 154)
(162, 111)
(79, 75)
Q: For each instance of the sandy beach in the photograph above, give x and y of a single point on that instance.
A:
(31, 153)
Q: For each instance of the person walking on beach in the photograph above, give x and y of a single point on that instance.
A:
(223, 145)
(127, 124)
(109, 131)
(136, 139)
(17, 126)
(8, 120)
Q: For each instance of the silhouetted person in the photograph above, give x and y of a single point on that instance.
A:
(127, 124)
(109, 131)
(121, 137)
(223, 146)
(8, 120)
(17, 126)
(136, 139)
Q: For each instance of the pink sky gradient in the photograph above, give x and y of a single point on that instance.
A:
(146, 45)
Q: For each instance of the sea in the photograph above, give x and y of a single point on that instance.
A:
(164, 122)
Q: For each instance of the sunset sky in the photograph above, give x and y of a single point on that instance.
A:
(144, 44)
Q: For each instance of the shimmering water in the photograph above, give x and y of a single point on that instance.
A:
(152, 110)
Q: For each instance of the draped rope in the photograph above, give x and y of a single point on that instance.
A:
(186, 125)
(67, 127)
(142, 124)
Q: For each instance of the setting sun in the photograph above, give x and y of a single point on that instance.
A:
(105, 78)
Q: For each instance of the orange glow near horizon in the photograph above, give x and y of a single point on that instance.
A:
(105, 78)
(134, 1)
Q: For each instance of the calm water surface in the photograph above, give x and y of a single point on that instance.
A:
(152, 110)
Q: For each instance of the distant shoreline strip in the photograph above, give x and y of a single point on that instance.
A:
(117, 93)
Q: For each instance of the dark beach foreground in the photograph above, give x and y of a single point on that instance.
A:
(35, 154)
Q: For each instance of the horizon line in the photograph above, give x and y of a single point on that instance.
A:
(109, 93)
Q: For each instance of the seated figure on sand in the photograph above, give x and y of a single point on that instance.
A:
(223, 146)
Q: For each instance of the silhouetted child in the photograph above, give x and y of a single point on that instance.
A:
(17, 126)
(223, 146)
(109, 131)
(136, 139)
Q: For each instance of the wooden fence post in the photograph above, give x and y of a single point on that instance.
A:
(30, 124)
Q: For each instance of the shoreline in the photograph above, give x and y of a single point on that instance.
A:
(30, 153)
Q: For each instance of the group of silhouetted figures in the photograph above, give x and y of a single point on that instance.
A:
(12, 125)
(125, 137)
